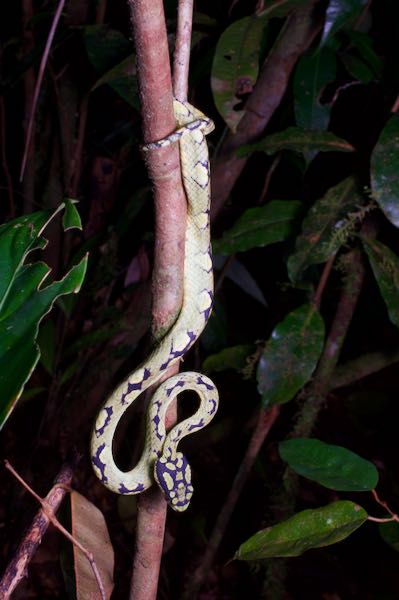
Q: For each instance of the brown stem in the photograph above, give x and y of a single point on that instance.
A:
(296, 36)
(153, 68)
(360, 367)
(4, 161)
(39, 80)
(265, 422)
(318, 389)
(181, 60)
(17, 567)
(323, 281)
(29, 90)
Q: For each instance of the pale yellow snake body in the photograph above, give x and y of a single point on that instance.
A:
(160, 459)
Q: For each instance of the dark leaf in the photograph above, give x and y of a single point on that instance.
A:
(338, 14)
(332, 466)
(385, 170)
(290, 355)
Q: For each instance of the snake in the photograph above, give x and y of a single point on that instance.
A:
(160, 461)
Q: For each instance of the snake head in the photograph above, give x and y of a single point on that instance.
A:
(173, 475)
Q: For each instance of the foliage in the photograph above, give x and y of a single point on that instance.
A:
(305, 244)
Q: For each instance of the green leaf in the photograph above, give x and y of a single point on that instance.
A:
(71, 218)
(290, 355)
(314, 71)
(122, 78)
(308, 529)
(298, 140)
(357, 68)
(235, 67)
(234, 358)
(385, 265)
(24, 301)
(105, 46)
(390, 534)
(363, 44)
(385, 170)
(335, 467)
(338, 14)
(327, 226)
(46, 340)
(260, 226)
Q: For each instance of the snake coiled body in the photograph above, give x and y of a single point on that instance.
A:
(160, 459)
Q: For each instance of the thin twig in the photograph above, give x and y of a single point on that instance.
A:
(48, 511)
(17, 567)
(39, 80)
(268, 178)
(265, 421)
(181, 60)
(4, 161)
(323, 281)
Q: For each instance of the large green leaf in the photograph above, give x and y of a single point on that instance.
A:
(236, 60)
(327, 226)
(260, 226)
(235, 66)
(305, 530)
(314, 71)
(333, 466)
(290, 355)
(385, 170)
(298, 140)
(385, 265)
(24, 300)
(338, 14)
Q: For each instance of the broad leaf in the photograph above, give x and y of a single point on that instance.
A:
(313, 73)
(236, 60)
(385, 170)
(234, 358)
(105, 47)
(298, 140)
(385, 265)
(305, 530)
(356, 67)
(235, 67)
(327, 226)
(333, 466)
(239, 274)
(24, 301)
(90, 529)
(338, 14)
(290, 355)
(260, 226)
(122, 78)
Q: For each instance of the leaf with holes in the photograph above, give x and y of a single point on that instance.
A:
(385, 170)
(235, 67)
(260, 226)
(308, 529)
(340, 13)
(290, 355)
(25, 300)
(298, 140)
(335, 467)
(90, 529)
(313, 72)
(385, 265)
(327, 226)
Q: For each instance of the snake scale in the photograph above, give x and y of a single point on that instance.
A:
(160, 460)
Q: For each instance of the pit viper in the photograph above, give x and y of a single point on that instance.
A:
(160, 460)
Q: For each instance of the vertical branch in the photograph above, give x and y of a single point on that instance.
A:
(29, 90)
(155, 84)
(181, 61)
